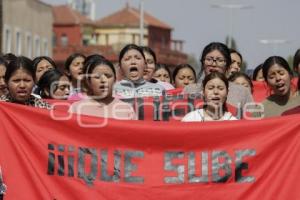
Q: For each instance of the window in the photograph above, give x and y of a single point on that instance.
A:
(64, 40)
(54, 40)
(46, 51)
(7, 47)
(106, 39)
(37, 47)
(85, 42)
(163, 42)
(29, 45)
(18, 43)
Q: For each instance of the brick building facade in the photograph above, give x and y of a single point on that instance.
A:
(74, 32)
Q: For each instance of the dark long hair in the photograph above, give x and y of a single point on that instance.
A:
(37, 60)
(222, 48)
(222, 77)
(3, 62)
(70, 59)
(130, 47)
(296, 60)
(232, 51)
(236, 75)
(182, 66)
(255, 72)
(19, 63)
(46, 82)
(165, 67)
(92, 65)
(275, 60)
(150, 51)
(89, 69)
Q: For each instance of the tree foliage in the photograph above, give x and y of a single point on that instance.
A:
(234, 46)
(192, 60)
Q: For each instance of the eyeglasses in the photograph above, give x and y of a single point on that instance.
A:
(220, 62)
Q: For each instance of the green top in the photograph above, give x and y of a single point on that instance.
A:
(273, 106)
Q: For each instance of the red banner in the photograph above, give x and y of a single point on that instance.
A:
(163, 108)
(49, 155)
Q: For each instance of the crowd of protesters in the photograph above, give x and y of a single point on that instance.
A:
(98, 88)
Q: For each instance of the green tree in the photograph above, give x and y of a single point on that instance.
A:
(233, 42)
(193, 61)
(234, 46)
(244, 67)
(290, 60)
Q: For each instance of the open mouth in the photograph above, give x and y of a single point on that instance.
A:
(103, 87)
(22, 93)
(280, 87)
(133, 69)
(215, 98)
(133, 72)
(212, 70)
(80, 73)
(146, 72)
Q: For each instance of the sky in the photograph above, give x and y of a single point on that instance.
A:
(198, 23)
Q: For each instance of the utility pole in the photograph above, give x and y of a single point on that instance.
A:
(231, 8)
(141, 22)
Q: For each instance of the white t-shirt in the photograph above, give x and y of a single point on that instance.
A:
(198, 116)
